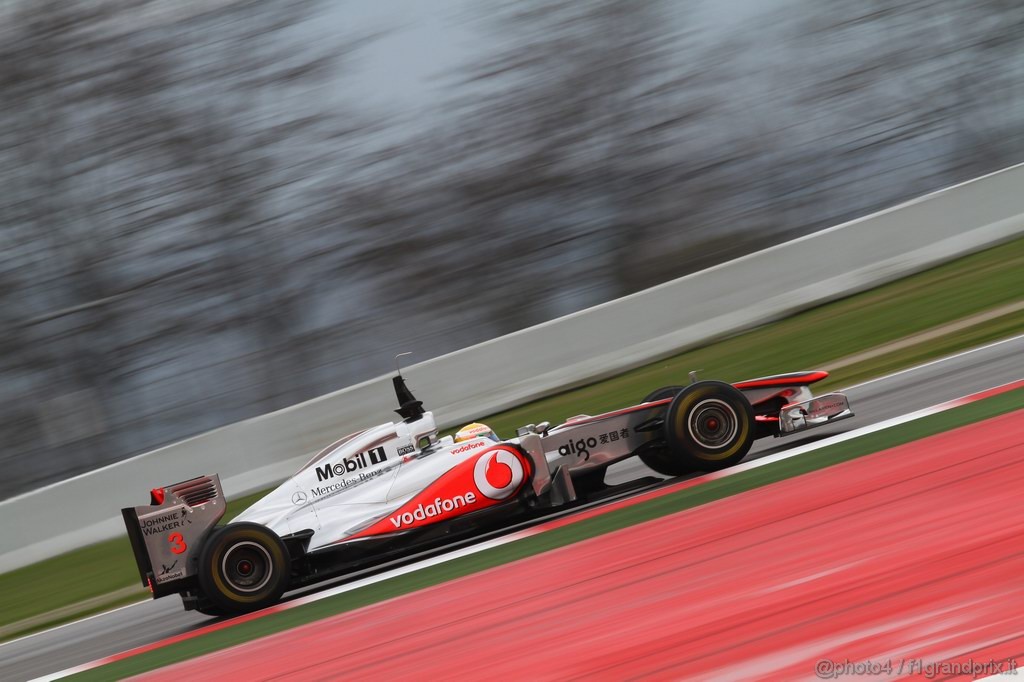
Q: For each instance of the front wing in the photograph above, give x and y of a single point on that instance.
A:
(819, 411)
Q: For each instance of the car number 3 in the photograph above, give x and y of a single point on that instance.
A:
(177, 543)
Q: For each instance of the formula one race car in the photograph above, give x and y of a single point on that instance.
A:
(383, 492)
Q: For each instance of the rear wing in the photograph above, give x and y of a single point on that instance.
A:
(167, 534)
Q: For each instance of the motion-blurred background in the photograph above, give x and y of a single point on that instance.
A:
(211, 209)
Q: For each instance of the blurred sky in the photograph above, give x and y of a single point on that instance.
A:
(424, 48)
(421, 48)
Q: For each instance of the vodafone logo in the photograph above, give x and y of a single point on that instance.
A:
(497, 474)
(438, 507)
(467, 447)
(484, 479)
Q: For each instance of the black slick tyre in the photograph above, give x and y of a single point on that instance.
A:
(243, 567)
(709, 426)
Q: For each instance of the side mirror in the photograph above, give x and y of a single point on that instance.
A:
(539, 429)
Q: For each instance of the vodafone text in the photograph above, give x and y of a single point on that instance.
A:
(436, 508)
(468, 446)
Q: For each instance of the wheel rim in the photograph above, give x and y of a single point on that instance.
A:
(247, 567)
(713, 424)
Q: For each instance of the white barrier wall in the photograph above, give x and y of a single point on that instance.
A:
(599, 341)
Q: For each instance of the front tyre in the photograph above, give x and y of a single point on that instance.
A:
(709, 426)
(243, 567)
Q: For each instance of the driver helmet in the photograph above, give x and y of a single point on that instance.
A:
(475, 430)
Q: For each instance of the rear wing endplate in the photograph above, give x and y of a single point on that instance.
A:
(167, 534)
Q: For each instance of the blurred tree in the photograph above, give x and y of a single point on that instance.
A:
(556, 158)
(151, 191)
(240, 147)
(986, 37)
(903, 95)
(56, 77)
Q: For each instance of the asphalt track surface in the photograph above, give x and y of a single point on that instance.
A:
(874, 401)
(902, 561)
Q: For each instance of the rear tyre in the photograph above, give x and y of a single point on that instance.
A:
(243, 567)
(709, 426)
(657, 455)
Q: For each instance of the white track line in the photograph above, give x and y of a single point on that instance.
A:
(75, 622)
(936, 362)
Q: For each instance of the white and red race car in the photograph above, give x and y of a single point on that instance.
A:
(385, 491)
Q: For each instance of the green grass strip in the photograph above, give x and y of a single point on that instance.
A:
(974, 336)
(566, 535)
